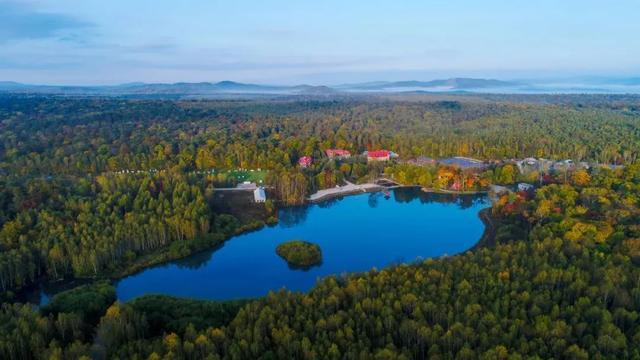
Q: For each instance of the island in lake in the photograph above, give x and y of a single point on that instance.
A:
(300, 254)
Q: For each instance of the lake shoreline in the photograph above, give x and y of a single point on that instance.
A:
(489, 235)
(156, 259)
(332, 193)
(452, 192)
(147, 261)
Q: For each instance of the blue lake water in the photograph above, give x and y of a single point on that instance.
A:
(355, 233)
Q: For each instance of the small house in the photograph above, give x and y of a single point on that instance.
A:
(463, 162)
(305, 161)
(528, 165)
(259, 195)
(568, 163)
(378, 155)
(338, 153)
(525, 187)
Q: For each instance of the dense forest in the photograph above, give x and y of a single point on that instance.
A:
(560, 279)
(97, 188)
(92, 136)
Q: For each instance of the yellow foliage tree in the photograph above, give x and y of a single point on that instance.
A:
(581, 178)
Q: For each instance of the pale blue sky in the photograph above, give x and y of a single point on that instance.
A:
(317, 42)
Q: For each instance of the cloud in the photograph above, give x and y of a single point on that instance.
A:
(21, 22)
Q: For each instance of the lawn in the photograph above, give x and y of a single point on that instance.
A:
(248, 175)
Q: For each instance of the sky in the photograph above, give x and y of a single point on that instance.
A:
(88, 42)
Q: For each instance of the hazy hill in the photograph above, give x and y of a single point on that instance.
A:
(180, 88)
(444, 84)
(630, 85)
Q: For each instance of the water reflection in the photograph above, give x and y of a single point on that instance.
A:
(42, 294)
(409, 194)
(293, 216)
(329, 202)
(196, 261)
(373, 199)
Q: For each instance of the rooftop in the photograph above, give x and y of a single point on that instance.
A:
(463, 162)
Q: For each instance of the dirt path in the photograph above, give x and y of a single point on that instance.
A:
(350, 188)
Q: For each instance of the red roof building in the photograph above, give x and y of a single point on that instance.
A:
(305, 161)
(378, 155)
(338, 153)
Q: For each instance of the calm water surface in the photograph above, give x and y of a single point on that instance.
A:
(355, 234)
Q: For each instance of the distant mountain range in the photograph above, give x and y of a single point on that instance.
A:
(181, 88)
(445, 84)
(231, 88)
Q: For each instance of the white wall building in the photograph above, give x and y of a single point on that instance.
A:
(259, 195)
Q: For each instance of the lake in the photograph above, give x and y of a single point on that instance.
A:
(355, 233)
